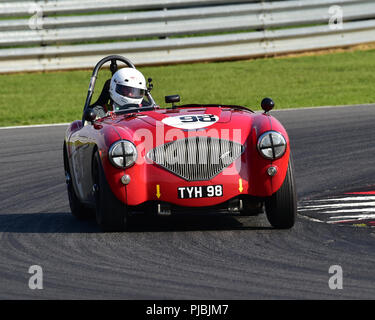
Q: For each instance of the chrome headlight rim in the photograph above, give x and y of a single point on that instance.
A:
(272, 146)
(124, 155)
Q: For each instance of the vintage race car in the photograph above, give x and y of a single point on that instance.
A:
(180, 159)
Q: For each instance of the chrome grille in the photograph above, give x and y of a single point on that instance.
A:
(196, 158)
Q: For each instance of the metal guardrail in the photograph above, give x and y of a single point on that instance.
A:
(250, 28)
(162, 15)
(21, 8)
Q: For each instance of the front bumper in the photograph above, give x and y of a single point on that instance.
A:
(247, 176)
(153, 183)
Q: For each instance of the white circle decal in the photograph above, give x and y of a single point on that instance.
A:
(191, 121)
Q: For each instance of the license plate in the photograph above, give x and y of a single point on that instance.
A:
(200, 192)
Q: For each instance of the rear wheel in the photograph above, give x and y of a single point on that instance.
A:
(79, 210)
(110, 212)
(281, 207)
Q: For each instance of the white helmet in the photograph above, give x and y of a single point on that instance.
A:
(128, 86)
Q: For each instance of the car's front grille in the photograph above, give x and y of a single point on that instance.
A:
(196, 158)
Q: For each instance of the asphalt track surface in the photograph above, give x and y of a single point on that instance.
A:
(189, 258)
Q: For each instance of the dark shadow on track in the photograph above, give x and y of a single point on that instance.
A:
(56, 222)
(64, 222)
(195, 223)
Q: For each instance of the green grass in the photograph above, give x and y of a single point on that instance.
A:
(330, 79)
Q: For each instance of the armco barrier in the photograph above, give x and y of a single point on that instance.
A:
(65, 34)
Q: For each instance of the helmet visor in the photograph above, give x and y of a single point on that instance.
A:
(130, 92)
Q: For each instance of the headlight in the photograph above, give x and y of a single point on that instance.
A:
(271, 145)
(122, 154)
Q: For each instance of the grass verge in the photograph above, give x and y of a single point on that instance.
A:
(330, 79)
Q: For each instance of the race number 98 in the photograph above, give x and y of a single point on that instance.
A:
(200, 118)
(191, 121)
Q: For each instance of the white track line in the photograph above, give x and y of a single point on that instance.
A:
(359, 198)
(36, 126)
(357, 216)
(344, 221)
(339, 206)
(325, 107)
(348, 211)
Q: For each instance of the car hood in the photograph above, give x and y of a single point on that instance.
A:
(189, 118)
(221, 121)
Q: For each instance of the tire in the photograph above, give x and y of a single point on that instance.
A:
(110, 212)
(79, 210)
(281, 207)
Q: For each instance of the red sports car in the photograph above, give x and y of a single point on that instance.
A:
(180, 159)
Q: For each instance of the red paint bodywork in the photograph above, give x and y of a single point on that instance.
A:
(248, 171)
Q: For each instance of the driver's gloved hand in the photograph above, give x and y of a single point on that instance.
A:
(100, 112)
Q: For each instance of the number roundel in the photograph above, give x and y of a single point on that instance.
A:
(191, 121)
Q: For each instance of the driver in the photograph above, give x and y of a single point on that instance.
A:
(126, 89)
(128, 86)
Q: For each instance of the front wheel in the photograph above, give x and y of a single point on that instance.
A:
(110, 212)
(281, 207)
(78, 209)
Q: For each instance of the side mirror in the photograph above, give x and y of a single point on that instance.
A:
(267, 104)
(172, 99)
(150, 85)
(90, 115)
